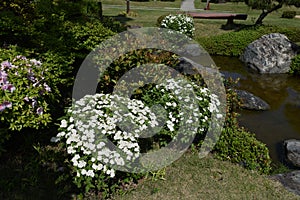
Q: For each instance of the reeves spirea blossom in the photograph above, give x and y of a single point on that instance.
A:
(102, 131)
(180, 22)
(173, 95)
(98, 120)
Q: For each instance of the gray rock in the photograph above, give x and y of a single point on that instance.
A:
(185, 66)
(188, 49)
(188, 66)
(193, 50)
(292, 149)
(251, 102)
(291, 181)
(270, 54)
(133, 27)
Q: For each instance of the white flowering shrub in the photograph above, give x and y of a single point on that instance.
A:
(169, 97)
(90, 123)
(179, 22)
(102, 131)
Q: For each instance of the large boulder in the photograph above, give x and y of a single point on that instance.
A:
(251, 102)
(292, 149)
(270, 54)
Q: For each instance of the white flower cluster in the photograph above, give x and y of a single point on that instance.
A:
(201, 106)
(102, 130)
(176, 102)
(213, 105)
(180, 22)
(93, 120)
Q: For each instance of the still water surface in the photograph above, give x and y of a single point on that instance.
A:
(280, 91)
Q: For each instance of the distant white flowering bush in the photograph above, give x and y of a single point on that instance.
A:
(96, 120)
(180, 22)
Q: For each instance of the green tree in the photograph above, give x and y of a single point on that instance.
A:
(268, 6)
(22, 8)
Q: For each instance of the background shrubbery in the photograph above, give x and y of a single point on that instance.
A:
(57, 33)
(239, 146)
(289, 14)
(295, 65)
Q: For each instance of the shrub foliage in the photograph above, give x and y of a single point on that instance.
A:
(295, 65)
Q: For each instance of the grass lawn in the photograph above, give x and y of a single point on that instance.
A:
(155, 4)
(145, 14)
(192, 178)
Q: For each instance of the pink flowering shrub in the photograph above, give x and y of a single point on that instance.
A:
(24, 92)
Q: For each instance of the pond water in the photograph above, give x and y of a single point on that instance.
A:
(280, 91)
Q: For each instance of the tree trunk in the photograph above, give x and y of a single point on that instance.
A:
(262, 16)
(100, 10)
(127, 6)
(207, 5)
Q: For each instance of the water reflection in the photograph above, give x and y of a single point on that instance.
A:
(281, 91)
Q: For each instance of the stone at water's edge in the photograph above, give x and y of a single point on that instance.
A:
(186, 66)
(291, 181)
(251, 102)
(270, 54)
(292, 148)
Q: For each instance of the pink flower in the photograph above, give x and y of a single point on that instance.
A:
(30, 75)
(34, 103)
(2, 107)
(5, 104)
(3, 74)
(11, 88)
(39, 111)
(26, 99)
(20, 57)
(36, 62)
(47, 88)
(8, 87)
(5, 64)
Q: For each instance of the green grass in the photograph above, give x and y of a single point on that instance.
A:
(145, 14)
(192, 178)
(155, 4)
(272, 19)
(139, 17)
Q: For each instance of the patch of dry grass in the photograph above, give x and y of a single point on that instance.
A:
(192, 178)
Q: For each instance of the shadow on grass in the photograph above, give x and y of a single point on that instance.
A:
(237, 27)
(121, 18)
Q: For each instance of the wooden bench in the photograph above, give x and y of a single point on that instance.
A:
(229, 16)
